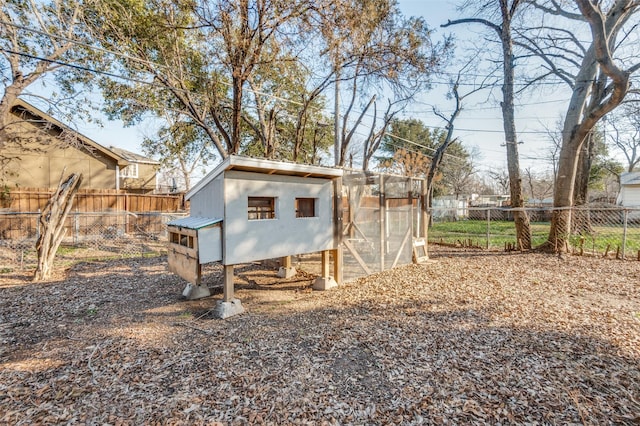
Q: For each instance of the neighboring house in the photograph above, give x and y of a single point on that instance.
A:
(497, 200)
(43, 147)
(141, 173)
(449, 207)
(629, 195)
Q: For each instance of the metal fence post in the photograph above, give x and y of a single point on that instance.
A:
(38, 225)
(624, 233)
(488, 225)
(76, 228)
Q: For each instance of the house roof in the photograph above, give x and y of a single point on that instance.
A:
(630, 178)
(22, 106)
(270, 167)
(132, 156)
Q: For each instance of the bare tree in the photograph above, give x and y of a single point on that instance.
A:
(373, 48)
(438, 154)
(599, 85)
(181, 146)
(540, 185)
(375, 137)
(501, 179)
(36, 39)
(507, 11)
(623, 132)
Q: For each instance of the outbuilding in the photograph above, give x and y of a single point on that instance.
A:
(250, 209)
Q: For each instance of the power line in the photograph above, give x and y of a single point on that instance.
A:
(78, 67)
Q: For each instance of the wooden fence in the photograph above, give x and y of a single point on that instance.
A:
(92, 200)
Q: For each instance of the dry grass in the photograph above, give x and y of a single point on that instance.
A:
(471, 337)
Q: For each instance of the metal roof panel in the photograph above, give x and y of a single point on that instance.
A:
(194, 222)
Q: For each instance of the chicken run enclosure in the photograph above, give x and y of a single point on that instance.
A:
(382, 216)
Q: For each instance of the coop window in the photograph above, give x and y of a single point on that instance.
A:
(262, 208)
(183, 240)
(305, 207)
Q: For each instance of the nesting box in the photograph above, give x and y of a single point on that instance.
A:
(193, 241)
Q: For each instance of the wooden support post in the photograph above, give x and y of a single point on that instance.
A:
(338, 229)
(325, 263)
(382, 219)
(228, 283)
(410, 196)
(338, 211)
(424, 211)
(325, 281)
(286, 269)
(337, 265)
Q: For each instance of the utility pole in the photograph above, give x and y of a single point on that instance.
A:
(336, 118)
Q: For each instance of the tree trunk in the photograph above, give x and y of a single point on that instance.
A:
(581, 218)
(521, 219)
(580, 118)
(585, 159)
(236, 116)
(52, 224)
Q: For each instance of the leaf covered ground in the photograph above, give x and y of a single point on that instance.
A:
(471, 337)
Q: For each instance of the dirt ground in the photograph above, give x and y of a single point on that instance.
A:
(471, 337)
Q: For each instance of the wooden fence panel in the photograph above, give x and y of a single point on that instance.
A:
(34, 199)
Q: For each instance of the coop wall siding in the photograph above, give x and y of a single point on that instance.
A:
(251, 240)
(209, 201)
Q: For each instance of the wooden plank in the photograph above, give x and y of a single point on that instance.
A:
(325, 264)
(337, 212)
(185, 266)
(337, 265)
(183, 250)
(228, 284)
(357, 257)
(404, 242)
(285, 262)
(418, 245)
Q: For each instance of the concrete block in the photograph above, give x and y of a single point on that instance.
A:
(192, 292)
(286, 272)
(227, 309)
(324, 283)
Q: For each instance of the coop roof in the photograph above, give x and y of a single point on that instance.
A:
(193, 222)
(270, 167)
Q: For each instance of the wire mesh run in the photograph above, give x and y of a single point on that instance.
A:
(381, 217)
(100, 235)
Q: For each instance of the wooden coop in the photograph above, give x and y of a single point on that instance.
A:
(250, 209)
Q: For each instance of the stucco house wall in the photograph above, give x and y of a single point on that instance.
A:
(41, 148)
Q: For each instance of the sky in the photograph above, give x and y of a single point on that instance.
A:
(479, 126)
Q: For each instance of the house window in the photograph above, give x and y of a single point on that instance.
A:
(305, 207)
(262, 208)
(130, 171)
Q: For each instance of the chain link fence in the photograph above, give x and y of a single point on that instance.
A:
(609, 231)
(88, 236)
(599, 231)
